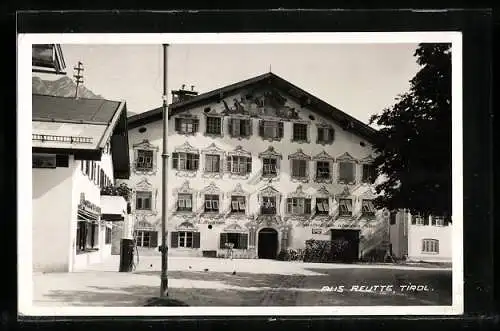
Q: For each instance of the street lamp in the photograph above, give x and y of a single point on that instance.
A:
(164, 195)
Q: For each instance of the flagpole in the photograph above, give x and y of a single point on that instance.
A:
(164, 195)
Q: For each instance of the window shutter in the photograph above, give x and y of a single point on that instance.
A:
(249, 165)
(261, 128)
(154, 239)
(426, 220)
(175, 160)
(280, 129)
(196, 240)
(177, 124)
(155, 155)
(223, 240)
(252, 237)
(320, 135)
(248, 126)
(331, 134)
(230, 125)
(82, 165)
(243, 241)
(174, 239)
(62, 160)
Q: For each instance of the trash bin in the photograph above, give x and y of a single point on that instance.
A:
(126, 255)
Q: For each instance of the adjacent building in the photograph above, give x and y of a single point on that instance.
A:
(260, 165)
(80, 147)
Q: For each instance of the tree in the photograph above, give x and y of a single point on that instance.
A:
(414, 146)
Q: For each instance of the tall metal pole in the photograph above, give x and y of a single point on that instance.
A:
(164, 195)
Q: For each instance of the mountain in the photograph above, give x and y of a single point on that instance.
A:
(62, 87)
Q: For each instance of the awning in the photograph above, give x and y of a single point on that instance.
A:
(113, 208)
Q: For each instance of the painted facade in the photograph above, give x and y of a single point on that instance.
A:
(258, 194)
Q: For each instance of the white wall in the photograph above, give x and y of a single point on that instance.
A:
(416, 233)
(52, 212)
(344, 142)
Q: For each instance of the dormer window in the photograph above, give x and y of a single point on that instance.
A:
(272, 130)
(186, 125)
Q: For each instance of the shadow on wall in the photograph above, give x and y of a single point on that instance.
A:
(45, 180)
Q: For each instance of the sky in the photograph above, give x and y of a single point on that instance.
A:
(359, 79)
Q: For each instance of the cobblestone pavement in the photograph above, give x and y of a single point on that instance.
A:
(221, 282)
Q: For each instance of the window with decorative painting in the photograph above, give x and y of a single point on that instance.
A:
(430, 246)
(239, 165)
(346, 172)
(184, 239)
(367, 208)
(214, 125)
(185, 202)
(298, 206)
(144, 159)
(345, 207)
(186, 125)
(239, 127)
(368, 173)
(325, 135)
(271, 129)
(238, 204)
(185, 161)
(269, 167)
(322, 206)
(143, 200)
(268, 206)
(211, 203)
(299, 168)
(299, 132)
(323, 170)
(212, 163)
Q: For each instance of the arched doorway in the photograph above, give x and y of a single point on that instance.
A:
(268, 244)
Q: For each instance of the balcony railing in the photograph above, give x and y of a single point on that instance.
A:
(61, 139)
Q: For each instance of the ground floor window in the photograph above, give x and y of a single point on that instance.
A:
(430, 246)
(146, 238)
(239, 240)
(107, 237)
(87, 236)
(185, 239)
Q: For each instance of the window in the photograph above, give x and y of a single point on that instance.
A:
(240, 165)
(298, 206)
(211, 203)
(368, 173)
(438, 221)
(107, 237)
(146, 238)
(367, 208)
(185, 202)
(102, 179)
(237, 204)
(240, 127)
(214, 125)
(430, 246)
(269, 167)
(186, 125)
(143, 200)
(268, 206)
(323, 170)
(392, 218)
(299, 132)
(87, 168)
(185, 239)
(144, 159)
(322, 206)
(212, 163)
(325, 135)
(185, 161)
(346, 172)
(87, 236)
(419, 220)
(239, 240)
(299, 168)
(271, 129)
(345, 207)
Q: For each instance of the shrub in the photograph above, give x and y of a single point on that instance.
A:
(318, 251)
(283, 255)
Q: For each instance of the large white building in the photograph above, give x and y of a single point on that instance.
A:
(260, 164)
(80, 146)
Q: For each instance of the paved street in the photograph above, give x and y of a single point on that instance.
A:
(211, 282)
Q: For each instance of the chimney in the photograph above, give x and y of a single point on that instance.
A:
(182, 94)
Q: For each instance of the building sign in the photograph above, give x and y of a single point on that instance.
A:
(354, 225)
(317, 231)
(44, 161)
(221, 222)
(88, 206)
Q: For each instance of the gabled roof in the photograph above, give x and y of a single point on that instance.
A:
(301, 96)
(81, 127)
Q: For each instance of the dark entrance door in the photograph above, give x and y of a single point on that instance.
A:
(268, 244)
(345, 245)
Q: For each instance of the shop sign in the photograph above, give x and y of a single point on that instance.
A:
(222, 222)
(355, 225)
(88, 206)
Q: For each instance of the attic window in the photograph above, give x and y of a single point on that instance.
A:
(206, 110)
(311, 117)
(362, 144)
(142, 130)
